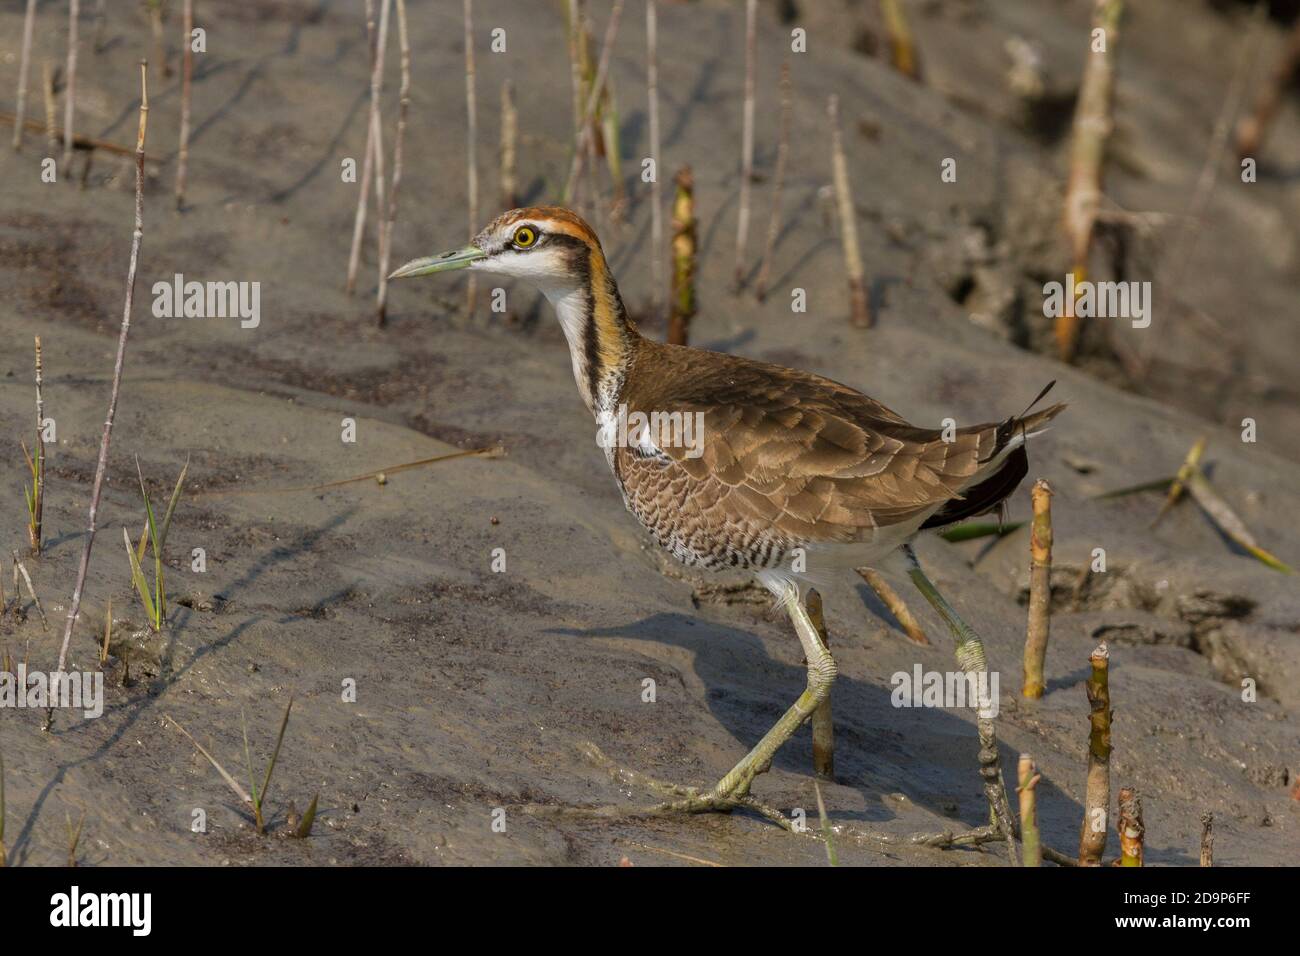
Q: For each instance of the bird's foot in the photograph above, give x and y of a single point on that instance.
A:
(679, 798)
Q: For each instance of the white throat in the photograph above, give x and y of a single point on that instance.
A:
(571, 304)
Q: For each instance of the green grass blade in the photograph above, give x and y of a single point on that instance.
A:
(308, 818)
(1160, 484)
(831, 856)
(266, 784)
(1268, 559)
(138, 579)
(30, 493)
(171, 505)
(978, 529)
(160, 598)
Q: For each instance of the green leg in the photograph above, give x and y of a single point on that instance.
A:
(821, 674)
(733, 789)
(823, 724)
(970, 657)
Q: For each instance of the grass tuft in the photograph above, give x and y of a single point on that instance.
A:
(255, 796)
(155, 600)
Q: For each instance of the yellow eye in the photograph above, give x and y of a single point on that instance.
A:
(525, 236)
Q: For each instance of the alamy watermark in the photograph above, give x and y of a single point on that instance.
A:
(133, 911)
(1100, 300)
(652, 432)
(39, 690)
(179, 299)
(922, 688)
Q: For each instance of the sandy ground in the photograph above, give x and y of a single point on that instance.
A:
(476, 689)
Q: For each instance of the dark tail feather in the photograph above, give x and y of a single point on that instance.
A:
(988, 494)
(997, 487)
(1031, 423)
(1024, 422)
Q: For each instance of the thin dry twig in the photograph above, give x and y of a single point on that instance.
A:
(156, 11)
(1059, 858)
(108, 631)
(38, 477)
(69, 88)
(230, 781)
(778, 185)
(585, 135)
(859, 304)
(902, 47)
(368, 160)
(471, 152)
(101, 465)
(27, 579)
(573, 16)
(24, 61)
(55, 135)
(1253, 128)
(746, 142)
(1223, 125)
(380, 475)
(509, 146)
(896, 605)
(942, 839)
(1092, 126)
(656, 190)
(187, 81)
(673, 853)
(682, 306)
(52, 135)
(98, 44)
(386, 226)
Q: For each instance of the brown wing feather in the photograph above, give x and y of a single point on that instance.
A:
(805, 456)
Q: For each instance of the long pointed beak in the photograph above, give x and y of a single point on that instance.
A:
(448, 261)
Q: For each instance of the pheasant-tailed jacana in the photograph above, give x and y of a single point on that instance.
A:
(791, 474)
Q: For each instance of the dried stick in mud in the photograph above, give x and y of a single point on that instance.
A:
(1092, 126)
(1040, 590)
(1092, 840)
(859, 304)
(101, 464)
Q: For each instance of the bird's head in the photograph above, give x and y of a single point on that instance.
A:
(546, 246)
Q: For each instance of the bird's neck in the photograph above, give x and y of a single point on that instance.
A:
(601, 338)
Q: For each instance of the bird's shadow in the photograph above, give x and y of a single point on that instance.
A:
(927, 755)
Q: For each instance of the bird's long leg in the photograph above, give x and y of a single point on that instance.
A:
(821, 674)
(732, 791)
(823, 724)
(971, 659)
